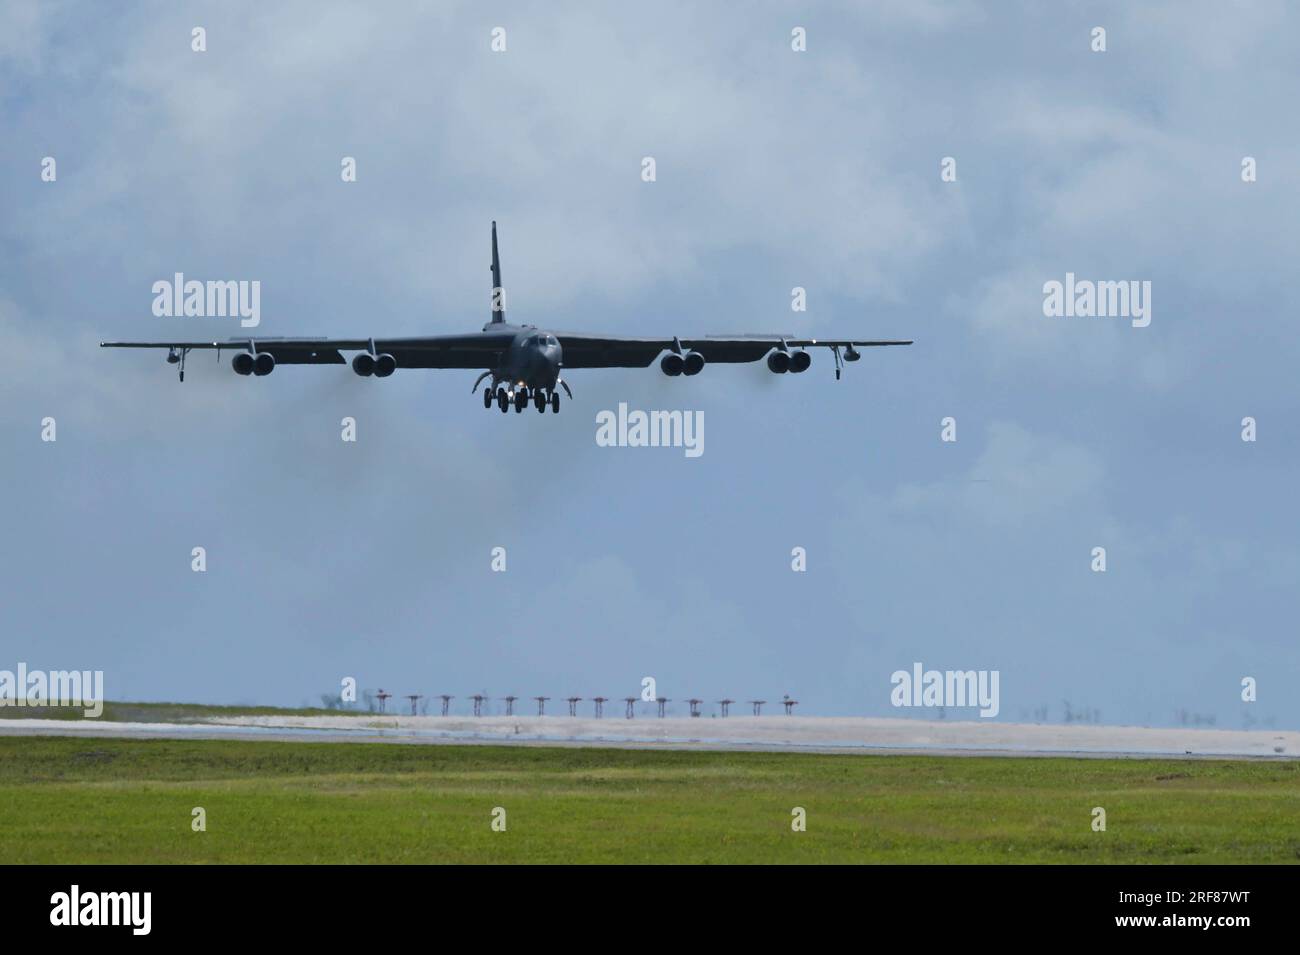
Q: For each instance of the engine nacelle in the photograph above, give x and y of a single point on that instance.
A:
(672, 364)
(385, 365)
(364, 364)
(851, 353)
(778, 362)
(799, 361)
(242, 363)
(692, 363)
(263, 363)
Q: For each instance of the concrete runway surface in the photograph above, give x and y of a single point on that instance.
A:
(767, 733)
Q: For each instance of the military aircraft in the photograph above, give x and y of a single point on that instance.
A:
(524, 362)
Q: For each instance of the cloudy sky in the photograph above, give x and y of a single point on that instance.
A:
(775, 169)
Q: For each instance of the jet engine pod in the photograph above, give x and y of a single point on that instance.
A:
(693, 363)
(779, 362)
(364, 364)
(385, 365)
(672, 364)
(242, 363)
(851, 353)
(263, 363)
(799, 361)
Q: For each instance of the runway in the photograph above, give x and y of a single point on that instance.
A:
(765, 733)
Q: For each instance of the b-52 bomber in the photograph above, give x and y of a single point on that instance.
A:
(523, 362)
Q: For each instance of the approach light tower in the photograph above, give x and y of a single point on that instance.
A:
(382, 696)
(662, 701)
(724, 704)
(695, 706)
(789, 704)
(478, 699)
(414, 698)
(446, 702)
(510, 705)
(600, 705)
(541, 704)
(573, 702)
(758, 706)
(631, 704)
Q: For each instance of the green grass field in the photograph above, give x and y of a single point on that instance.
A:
(77, 800)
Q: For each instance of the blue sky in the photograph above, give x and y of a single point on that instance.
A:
(775, 169)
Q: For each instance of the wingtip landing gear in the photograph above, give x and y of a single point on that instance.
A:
(175, 358)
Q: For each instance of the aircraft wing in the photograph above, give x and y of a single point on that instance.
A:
(479, 350)
(475, 350)
(596, 351)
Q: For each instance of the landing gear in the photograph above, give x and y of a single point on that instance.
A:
(521, 396)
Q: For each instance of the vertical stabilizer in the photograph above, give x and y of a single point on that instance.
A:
(498, 292)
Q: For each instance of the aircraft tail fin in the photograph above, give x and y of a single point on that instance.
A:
(498, 293)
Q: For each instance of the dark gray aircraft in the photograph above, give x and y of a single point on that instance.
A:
(523, 361)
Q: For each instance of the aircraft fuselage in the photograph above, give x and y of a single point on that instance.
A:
(533, 358)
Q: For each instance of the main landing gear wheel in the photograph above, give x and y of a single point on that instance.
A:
(539, 400)
(521, 399)
(555, 402)
(503, 399)
(487, 397)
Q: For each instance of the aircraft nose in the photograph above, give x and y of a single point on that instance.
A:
(544, 357)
